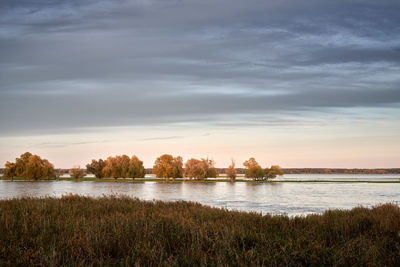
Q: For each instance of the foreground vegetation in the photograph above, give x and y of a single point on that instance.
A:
(76, 230)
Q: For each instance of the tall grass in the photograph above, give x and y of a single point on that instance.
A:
(75, 230)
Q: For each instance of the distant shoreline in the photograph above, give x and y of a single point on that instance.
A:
(180, 180)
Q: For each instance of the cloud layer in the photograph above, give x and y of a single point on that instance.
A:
(82, 64)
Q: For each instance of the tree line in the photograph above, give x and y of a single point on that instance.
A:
(166, 166)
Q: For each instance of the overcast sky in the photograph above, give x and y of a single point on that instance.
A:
(297, 83)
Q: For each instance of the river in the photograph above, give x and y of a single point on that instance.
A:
(275, 198)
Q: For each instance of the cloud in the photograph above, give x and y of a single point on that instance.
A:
(85, 64)
(67, 144)
(162, 138)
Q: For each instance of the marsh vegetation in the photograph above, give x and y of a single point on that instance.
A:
(75, 230)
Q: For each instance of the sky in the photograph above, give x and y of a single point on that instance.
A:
(306, 83)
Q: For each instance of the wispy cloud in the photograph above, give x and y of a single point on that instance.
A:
(66, 144)
(162, 138)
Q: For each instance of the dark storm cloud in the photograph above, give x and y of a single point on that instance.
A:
(66, 64)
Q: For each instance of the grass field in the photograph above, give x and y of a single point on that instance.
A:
(75, 230)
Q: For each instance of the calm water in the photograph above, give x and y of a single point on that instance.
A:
(276, 198)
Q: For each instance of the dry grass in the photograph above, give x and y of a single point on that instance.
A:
(84, 231)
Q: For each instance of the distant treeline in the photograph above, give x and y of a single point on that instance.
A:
(242, 171)
(339, 171)
(33, 167)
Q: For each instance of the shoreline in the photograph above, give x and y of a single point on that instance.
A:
(161, 180)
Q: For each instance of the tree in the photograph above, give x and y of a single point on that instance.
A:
(272, 172)
(21, 163)
(136, 168)
(192, 168)
(231, 171)
(10, 170)
(30, 166)
(59, 173)
(33, 168)
(77, 173)
(111, 168)
(210, 170)
(120, 167)
(200, 169)
(166, 166)
(177, 168)
(124, 166)
(96, 167)
(47, 169)
(253, 169)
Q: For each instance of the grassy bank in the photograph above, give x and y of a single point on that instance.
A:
(122, 231)
(161, 180)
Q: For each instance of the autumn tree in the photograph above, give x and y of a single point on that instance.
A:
(10, 170)
(200, 169)
(209, 168)
(21, 163)
(192, 168)
(37, 168)
(121, 167)
(111, 168)
(96, 167)
(30, 166)
(123, 163)
(136, 168)
(166, 166)
(231, 171)
(272, 172)
(47, 169)
(253, 169)
(177, 171)
(77, 173)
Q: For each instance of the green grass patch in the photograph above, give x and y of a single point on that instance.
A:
(111, 231)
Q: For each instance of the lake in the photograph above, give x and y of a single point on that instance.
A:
(274, 198)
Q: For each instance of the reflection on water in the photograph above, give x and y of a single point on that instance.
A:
(276, 198)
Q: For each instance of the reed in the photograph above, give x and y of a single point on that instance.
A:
(117, 230)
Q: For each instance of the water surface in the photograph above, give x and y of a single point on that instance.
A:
(275, 198)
